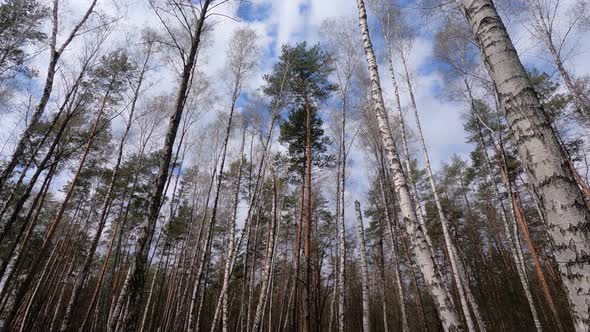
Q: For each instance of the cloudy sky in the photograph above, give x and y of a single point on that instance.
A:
(289, 21)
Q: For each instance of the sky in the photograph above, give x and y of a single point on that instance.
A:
(289, 21)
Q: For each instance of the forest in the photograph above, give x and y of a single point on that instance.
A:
(294, 165)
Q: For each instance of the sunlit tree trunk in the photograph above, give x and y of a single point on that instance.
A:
(406, 155)
(512, 244)
(541, 155)
(54, 55)
(341, 189)
(268, 263)
(307, 297)
(83, 274)
(395, 259)
(364, 268)
(450, 246)
(222, 302)
(135, 279)
(437, 289)
(47, 241)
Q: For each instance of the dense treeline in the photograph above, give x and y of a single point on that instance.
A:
(222, 205)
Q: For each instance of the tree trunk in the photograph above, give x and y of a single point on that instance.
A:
(213, 219)
(268, 263)
(455, 262)
(80, 280)
(341, 189)
(230, 257)
(54, 56)
(307, 240)
(407, 162)
(541, 155)
(364, 268)
(23, 287)
(510, 237)
(135, 279)
(395, 259)
(438, 291)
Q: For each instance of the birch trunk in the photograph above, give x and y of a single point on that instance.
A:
(440, 295)
(268, 263)
(395, 259)
(462, 285)
(511, 241)
(360, 231)
(205, 253)
(54, 55)
(80, 280)
(47, 241)
(402, 123)
(135, 279)
(146, 310)
(223, 300)
(341, 224)
(541, 155)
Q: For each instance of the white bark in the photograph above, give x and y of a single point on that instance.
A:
(360, 231)
(268, 263)
(422, 251)
(461, 284)
(520, 267)
(541, 155)
(405, 145)
(135, 279)
(230, 256)
(395, 259)
(341, 225)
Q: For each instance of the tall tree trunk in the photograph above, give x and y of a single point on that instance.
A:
(395, 258)
(26, 229)
(268, 262)
(503, 215)
(382, 277)
(364, 268)
(54, 55)
(522, 223)
(296, 316)
(80, 280)
(441, 296)
(47, 241)
(411, 177)
(97, 288)
(135, 279)
(341, 189)
(541, 155)
(71, 108)
(307, 298)
(213, 219)
(222, 301)
(455, 262)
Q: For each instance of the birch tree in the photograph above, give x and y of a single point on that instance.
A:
(554, 34)
(135, 279)
(440, 295)
(540, 152)
(242, 55)
(364, 268)
(55, 52)
(342, 44)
